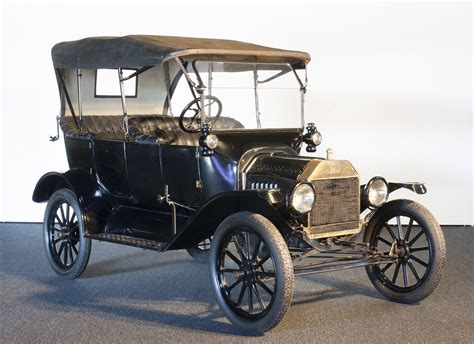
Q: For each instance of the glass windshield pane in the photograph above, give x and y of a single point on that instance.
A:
(256, 95)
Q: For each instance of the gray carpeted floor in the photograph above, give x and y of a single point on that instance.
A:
(130, 295)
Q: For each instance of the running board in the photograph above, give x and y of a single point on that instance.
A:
(130, 241)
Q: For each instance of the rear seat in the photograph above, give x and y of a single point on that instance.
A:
(107, 126)
(144, 128)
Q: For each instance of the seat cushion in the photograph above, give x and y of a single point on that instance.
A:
(165, 129)
(144, 128)
(107, 126)
(160, 129)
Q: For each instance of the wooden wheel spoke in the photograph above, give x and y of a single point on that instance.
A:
(259, 298)
(56, 217)
(419, 261)
(407, 234)
(75, 249)
(386, 267)
(265, 287)
(67, 213)
(61, 248)
(55, 241)
(236, 283)
(63, 217)
(70, 253)
(234, 258)
(405, 275)
(385, 241)
(395, 273)
(249, 289)
(413, 270)
(66, 248)
(412, 241)
(255, 250)
(417, 249)
(241, 294)
(239, 248)
(399, 228)
(247, 245)
(390, 231)
(265, 274)
(262, 261)
(73, 227)
(227, 270)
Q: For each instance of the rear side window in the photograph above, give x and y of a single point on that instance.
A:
(107, 83)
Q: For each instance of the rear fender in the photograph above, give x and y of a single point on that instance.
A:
(94, 205)
(205, 221)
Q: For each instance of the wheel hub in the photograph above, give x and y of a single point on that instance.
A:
(63, 233)
(402, 249)
(249, 270)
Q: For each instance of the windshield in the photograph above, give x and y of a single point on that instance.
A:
(257, 95)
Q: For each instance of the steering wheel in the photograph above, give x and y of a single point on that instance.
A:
(194, 124)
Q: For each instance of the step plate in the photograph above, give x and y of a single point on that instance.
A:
(130, 241)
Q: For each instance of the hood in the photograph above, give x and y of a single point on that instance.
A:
(274, 172)
(284, 172)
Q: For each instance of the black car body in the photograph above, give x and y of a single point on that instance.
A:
(143, 177)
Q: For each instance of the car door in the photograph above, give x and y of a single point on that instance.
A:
(110, 166)
(181, 174)
(145, 171)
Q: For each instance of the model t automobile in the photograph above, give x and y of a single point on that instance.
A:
(185, 143)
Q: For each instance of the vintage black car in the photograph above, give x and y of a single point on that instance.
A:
(223, 178)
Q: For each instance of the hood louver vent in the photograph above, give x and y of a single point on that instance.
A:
(263, 186)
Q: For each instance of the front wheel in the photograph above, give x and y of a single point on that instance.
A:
(66, 247)
(251, 272)
(408, 232)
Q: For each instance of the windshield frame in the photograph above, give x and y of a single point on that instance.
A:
(198, 88)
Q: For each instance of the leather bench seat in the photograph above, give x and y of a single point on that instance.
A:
(160, 129)
(109, 126)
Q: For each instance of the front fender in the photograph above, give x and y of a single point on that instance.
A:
(416, 187)
(84, 186)
(206, 220)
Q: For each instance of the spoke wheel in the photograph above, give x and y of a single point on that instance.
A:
(251, 271)
(66, 248)
(411, 236)
(63, 232)
(246, 273)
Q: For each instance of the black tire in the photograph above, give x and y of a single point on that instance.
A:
(421, 251)
(248, 251)
(200, 252)
(67, 249)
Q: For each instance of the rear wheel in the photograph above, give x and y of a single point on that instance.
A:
(251, 272)
(66, 247)
(408, 231)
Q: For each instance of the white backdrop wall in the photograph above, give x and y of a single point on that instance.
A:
(390, 84)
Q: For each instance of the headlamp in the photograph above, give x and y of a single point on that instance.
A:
(376, 192)
(302, 198)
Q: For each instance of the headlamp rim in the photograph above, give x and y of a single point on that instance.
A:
(290, 203)
(367, 188)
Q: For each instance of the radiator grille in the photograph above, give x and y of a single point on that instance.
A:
(337, 201)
